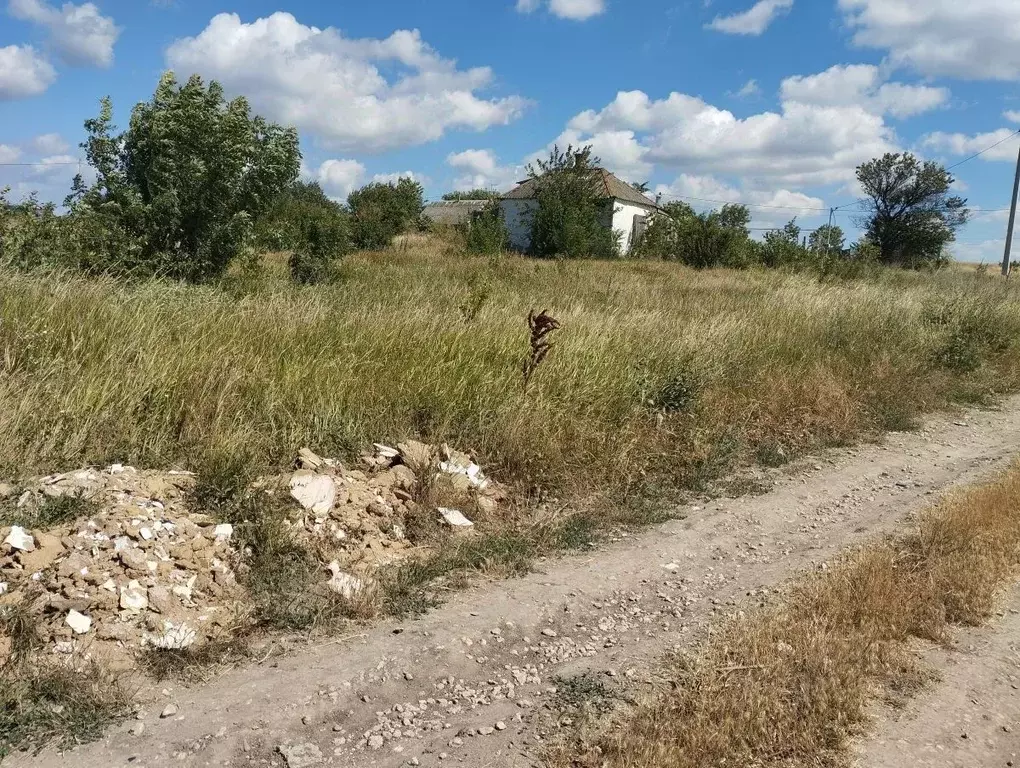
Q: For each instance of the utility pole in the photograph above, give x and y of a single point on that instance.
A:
(1012, 219)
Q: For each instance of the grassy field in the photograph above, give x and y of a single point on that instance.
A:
(827, 648)
(660, 376)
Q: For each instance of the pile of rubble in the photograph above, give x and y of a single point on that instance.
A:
(138, 568)
(358, 517)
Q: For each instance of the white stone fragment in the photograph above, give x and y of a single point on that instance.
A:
(175, 637)
(344, 584)
(133, 597)
(20, 539)
(455, 518)
(313, 492)
(79, 623)
(223, 531)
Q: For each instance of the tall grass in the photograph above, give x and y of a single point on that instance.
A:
(659, 371)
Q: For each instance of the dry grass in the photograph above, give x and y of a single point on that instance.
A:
(661, 375)
(789, 685)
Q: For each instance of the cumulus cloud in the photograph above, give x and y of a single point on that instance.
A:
(79, 34)
(335, 87)
(1012, 115)
(748, 90)
(754, 21)
(338, 178)
(24, 72)
(49, 144)
(9, 154)
(576, 10)
(977, 39)
(803, 144)
(393, 178)
(964, 144)
(862, 84)
(481, 169)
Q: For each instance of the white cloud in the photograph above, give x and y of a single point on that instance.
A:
(754, 21)
(769, 207)
(962, 144)
(331, 86)
(748, 90)
(976, 39)
(576, 10)
(80, 34)
(9, 154)
(862, 84)
(480, 169)
(1012, 115)
(54, 167)
(23, 72)
(49, 144)
(338, 178)
(803, 144)
(393, 178)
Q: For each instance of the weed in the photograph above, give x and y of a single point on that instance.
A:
(193, 664)
(541, 326)
(479, 290)
(50, 512)
(42, 703)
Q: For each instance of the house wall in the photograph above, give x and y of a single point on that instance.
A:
(517, 214)
(623, 221)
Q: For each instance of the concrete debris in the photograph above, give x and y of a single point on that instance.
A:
(173, 638)
(79, 623)
(344, 584)
(455, 519)
(20, 539)
(143, 570)
(300, 755)
(315, 493)
(169, 711)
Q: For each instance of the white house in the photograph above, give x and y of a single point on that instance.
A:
(627, 210)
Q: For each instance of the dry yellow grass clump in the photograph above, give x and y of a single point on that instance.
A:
(659, 373)
(789, 685)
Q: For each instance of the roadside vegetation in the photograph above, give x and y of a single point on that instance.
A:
(791, 684)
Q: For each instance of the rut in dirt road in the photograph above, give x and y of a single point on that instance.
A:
(472, 682)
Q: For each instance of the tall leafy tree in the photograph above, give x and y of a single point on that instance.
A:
(472, 194)
(573, 217)
(186, 181)
(911, 216)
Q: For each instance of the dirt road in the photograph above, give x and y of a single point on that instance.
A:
(474, 682)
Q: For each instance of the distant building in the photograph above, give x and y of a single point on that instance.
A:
(452, 212)
(627, 210)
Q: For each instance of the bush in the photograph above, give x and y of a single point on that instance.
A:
(30, 234)
(486, 232)
(701, 240)
(178, 192)
(380, 212)
(301, 213)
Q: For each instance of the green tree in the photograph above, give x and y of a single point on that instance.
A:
(183, 184)
(380, 212)
(473, 194)
(911, 216)
(782, 247)
(735, 216)
(573, 217)
(828, 238)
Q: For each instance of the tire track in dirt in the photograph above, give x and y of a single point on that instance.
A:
(473, 682)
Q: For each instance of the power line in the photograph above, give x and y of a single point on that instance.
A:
(751, 205)
(37, 165)
(986, 149)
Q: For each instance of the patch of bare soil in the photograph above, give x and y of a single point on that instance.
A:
(971, 717)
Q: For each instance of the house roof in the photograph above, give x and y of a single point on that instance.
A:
(614, 187)
(453, 211)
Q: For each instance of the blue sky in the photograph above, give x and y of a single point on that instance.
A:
(770, 103)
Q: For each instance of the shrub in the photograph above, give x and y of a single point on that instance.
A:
(701, 240)
(380, 212)
(301, 213)
(182, 186)
(486, 232)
